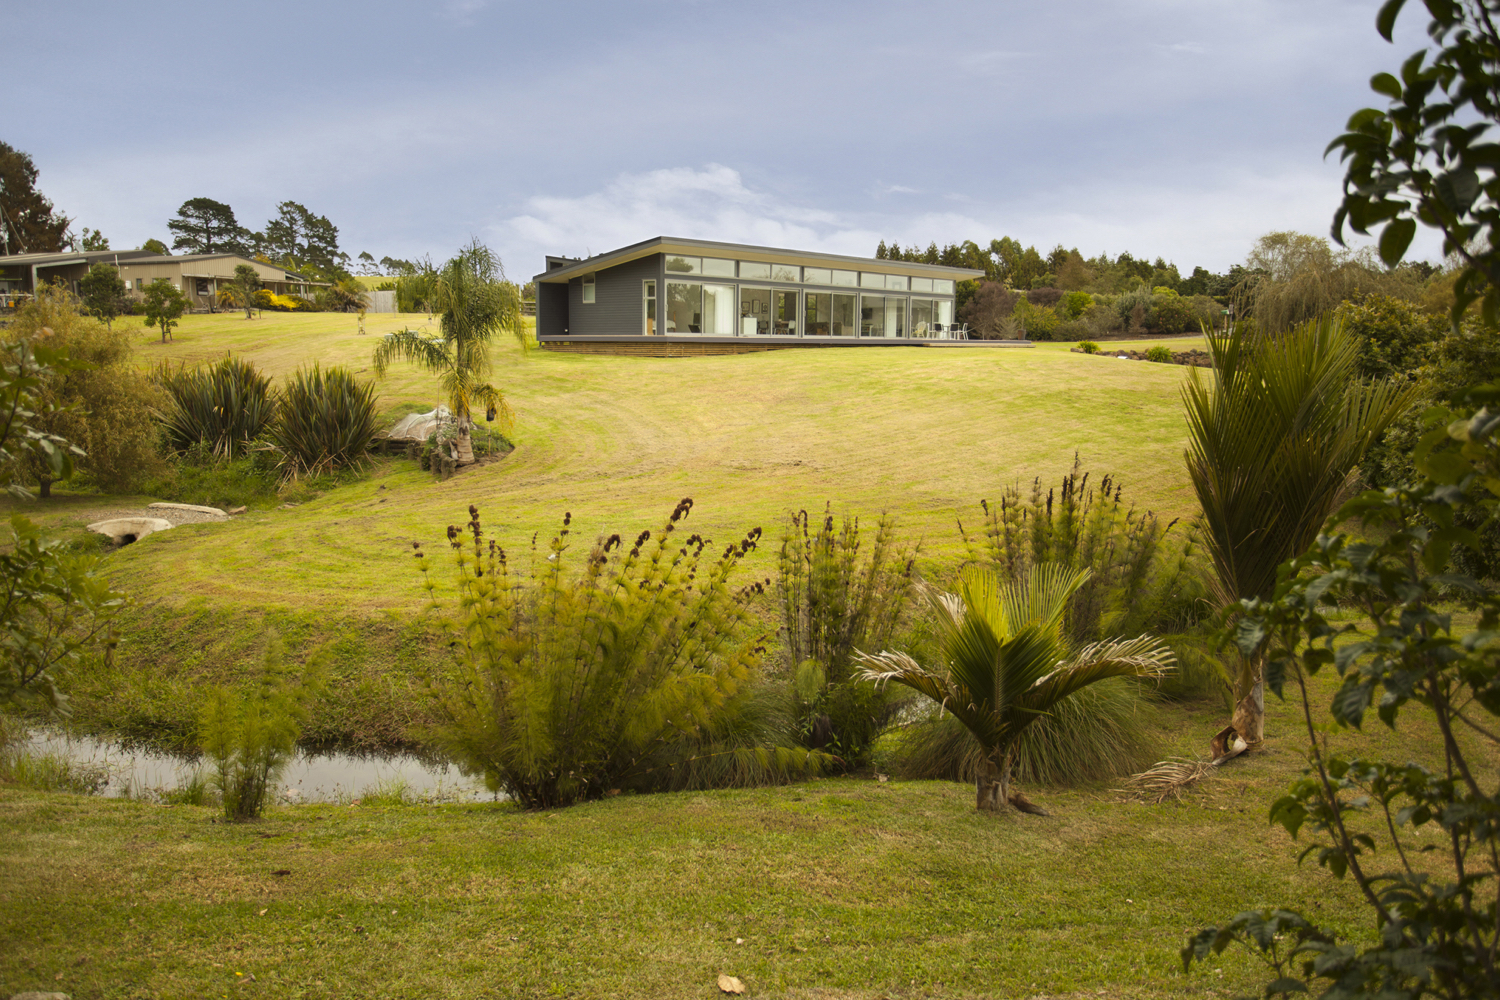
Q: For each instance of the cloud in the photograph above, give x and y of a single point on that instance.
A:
(463, 11)
(712, 202)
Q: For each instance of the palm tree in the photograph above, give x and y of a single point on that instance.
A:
(1274, 442)
(474, 302)
(1007, 662)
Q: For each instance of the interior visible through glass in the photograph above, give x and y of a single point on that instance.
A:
(842, 319)
(684, 307)
(648, 307)
(872, 315)
(819, 306)
(921, 317)
(718, 310)
(755, 311)
(785, 304)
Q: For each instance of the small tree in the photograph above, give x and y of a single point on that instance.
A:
(1006, 662)
(157, 246)
(165, 303)
(102, 289)
(244, 286)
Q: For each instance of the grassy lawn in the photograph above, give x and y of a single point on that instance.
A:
(924, 434)
(845, 888)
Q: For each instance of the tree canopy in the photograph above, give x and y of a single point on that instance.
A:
(28, 220)
(203, 225)
(301, 240)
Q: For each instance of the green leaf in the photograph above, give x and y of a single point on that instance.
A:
(1285, 985)
(1394, 240)
(1385, 20)
(1385, 83)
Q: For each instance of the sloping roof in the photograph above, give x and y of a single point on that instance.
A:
(69, 256)
(744, 251)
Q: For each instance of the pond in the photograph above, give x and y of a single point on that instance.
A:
(122, 771)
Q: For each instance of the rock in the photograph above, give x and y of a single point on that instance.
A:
(188, 506)
(237, 510)
(124, 530)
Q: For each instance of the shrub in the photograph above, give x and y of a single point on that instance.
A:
(1138, 580)
(990, 306)
(1160, 353)
(224, 405)
(564, 689)
(325, 420)
(104, 404)
(1072, 329)
(1088, 347)
(1171, 313)
(833, 603)
(1039, 322)
(1073, 304)
(250, 737)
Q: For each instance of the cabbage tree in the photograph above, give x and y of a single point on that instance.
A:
(474, 302)
(1005, 662)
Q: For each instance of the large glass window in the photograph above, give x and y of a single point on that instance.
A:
(921, 284)
(817, 276)
(868, 280)
(718, 268)
(846, 278)
(684, 307)
(895, 315)
(784, 307)
(896, 282)
(785, 272)
(872, 315)
(588, 289)
(842, 320)
(944, 312)
(819, 306)
(921, 317)
(755, 269)
(648, 308)
(755, 311)
(943, 286)
(684, 265)
(718, 310)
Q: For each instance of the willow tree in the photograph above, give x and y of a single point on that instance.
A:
(473, 303)
(1006, 661)
(1274, 439)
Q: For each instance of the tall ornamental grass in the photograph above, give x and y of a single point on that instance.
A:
(638, 671)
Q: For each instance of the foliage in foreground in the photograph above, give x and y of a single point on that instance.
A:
(326, 420)
(1438, 931)
(1006, 662)
(638, 670)
(834, 602)
(250, 737)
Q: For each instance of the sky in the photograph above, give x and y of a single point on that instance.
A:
(1175, 129)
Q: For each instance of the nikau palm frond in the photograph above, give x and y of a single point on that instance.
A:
(1007, 662)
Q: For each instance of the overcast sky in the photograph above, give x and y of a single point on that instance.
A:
(1174, 129)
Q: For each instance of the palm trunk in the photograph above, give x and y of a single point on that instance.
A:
(991, 790)
(1249, 719)
(464, 445)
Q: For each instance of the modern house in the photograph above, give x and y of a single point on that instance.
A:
(669, 296)
(199, 276)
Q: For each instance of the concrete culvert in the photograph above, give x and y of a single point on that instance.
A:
(124, 530)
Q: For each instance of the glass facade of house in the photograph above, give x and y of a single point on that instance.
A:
(720, 297)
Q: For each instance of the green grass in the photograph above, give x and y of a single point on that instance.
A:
(843, 888)
(922, 433)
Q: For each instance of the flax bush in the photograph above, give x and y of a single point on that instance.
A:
(325, 421)
(640, 672)
(224, 406)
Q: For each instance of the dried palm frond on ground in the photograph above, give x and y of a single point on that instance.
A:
(1168, 779)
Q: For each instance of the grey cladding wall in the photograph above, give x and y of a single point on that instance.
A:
(551, 310)
(616, 308)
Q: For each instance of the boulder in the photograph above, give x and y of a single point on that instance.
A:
(124, 530)
(419, 426)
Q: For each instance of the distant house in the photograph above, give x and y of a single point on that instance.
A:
(670, 296)
(199, 276)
